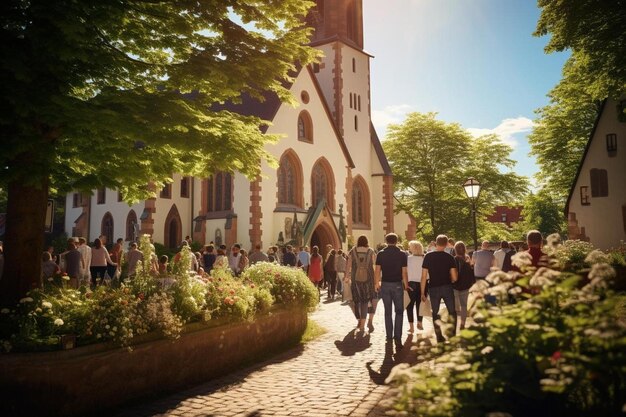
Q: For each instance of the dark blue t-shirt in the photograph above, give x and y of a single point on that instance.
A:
(391, 260)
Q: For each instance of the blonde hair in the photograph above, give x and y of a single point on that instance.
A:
(416, 248)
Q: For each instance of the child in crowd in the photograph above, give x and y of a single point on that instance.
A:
(163, 262)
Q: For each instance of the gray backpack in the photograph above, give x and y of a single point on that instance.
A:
(360, 262)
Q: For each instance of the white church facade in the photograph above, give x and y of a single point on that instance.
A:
(333, 179)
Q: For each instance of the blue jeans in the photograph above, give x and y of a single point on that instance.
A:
(393, 293)
(445, 293)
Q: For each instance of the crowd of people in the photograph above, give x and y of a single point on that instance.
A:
(414, 281)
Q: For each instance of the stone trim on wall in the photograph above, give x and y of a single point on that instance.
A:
(256, 232)
(388, 224)
(338, 84)
(348, 198)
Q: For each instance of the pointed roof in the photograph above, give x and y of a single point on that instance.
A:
(269, 106)
(380, 153)
(582, 160)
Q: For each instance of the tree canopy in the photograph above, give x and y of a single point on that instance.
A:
(118, 93)
(593, 31)
(431, 159)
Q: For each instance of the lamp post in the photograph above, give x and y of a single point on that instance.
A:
(472, 189)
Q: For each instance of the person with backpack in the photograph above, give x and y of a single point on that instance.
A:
(464, 282)
(360, 273)
(330, 273)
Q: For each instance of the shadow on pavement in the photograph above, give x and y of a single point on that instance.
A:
(402, 355)
(353, 342)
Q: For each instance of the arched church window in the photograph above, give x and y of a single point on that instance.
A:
(286, 181)
(219, 192)
(360, 203)
(305, 127)
(106, 229)
(131, 226)
(322, 184)
(290, 180)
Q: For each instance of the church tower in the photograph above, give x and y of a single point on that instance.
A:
(344, 78)
(343, 72)
(338, 19)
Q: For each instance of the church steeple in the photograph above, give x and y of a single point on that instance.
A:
(338, 20)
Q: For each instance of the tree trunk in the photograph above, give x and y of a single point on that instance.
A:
(23, 241)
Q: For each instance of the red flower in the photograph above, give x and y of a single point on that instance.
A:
(556, 356)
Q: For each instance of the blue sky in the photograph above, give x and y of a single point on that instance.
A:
(474, 62)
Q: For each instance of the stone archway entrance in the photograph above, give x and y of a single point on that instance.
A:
(324, 235)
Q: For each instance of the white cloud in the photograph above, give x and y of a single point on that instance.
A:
(506, 130)
(389, 115)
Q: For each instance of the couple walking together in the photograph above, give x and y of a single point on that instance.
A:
(390, 277)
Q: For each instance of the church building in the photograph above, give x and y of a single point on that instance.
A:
(333, 180)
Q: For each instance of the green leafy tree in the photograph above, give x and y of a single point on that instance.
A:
(543, 211)
(593, 31)
(431, 159)
(117, 94)
(562, 130)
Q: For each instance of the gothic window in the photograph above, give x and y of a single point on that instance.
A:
(290, 180)
(319, 183)
(322, 184)
(184, 187)
(106, 228)
(219, 192)
(102, 195)
(356, 123)
(360, 203)
(120, 197)
(353, 65)
(166, 192)
(599, 183)
(305, 127)
(359, 106)
(131, 223)
(287, 183)
(350, 100)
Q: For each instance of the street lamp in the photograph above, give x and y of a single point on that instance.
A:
(472, 189)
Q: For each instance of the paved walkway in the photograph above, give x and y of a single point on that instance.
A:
(341, 373)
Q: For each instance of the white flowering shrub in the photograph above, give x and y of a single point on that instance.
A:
(553, 345)
(147, 302)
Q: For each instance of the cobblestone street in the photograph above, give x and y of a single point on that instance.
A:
(338, 374)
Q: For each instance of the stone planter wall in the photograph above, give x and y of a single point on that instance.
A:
(94, 378)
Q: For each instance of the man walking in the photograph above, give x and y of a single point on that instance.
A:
(439, 269)
(483, 260)
(391, 279)
(304, 259)
(73, 263)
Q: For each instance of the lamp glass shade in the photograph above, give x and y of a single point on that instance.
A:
(472, 187)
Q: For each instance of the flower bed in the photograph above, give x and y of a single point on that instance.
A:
(556, 347)
(151, 334)
(148, 303)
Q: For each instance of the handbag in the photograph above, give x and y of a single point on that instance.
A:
(407, 299)
(426, 309)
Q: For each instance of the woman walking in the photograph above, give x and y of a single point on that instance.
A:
(99, 260)
(414, 269)
(464, 282)
(360, 271)
(330, 273)
(315, 268)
